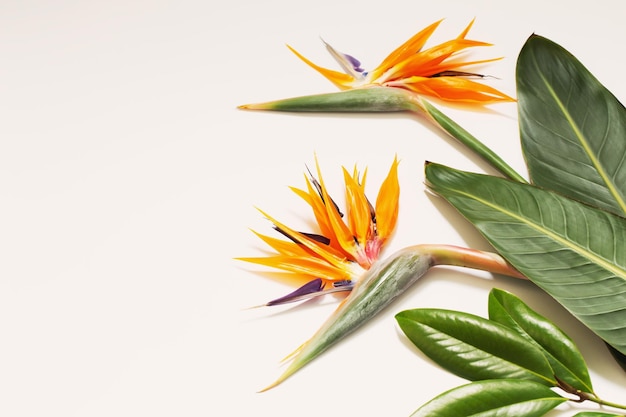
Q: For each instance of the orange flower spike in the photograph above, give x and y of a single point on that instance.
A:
(430, 62)
(341, 80)
(284, 247)
(463, 34)
(359, 214)
(322, 251)
(387, 206)
(315, 198)
(406, 50)
(458, 89)
(305, 266)
(344, 236)
(317, 206)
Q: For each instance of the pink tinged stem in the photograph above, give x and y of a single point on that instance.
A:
(471, 258)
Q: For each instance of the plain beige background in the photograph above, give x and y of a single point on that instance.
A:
(128, 181)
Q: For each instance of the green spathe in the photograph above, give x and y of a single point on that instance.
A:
(360, 100)
(380, 286)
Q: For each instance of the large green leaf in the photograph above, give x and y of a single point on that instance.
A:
(493, 398)
(573, 130)
(562, 353)
(574, 252)
(474, 348)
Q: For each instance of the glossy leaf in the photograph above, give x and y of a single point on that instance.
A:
(573, 129)
(574, 252)
(474, 348)
(493, 398)
(562, 353)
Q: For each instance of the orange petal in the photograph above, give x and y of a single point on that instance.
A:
(456, 89)
(317, 205)
(428, 62)
(359, 215)
(341, 231)
(341, 80)
(466, 30)
(410, 47)
(322, 251)
(305, 265)
(284, 247)
(387, 202)
(453, 65)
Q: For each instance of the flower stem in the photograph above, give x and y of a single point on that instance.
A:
(467, 139)
(471, 258)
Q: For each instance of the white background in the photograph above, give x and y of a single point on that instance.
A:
(128, 181)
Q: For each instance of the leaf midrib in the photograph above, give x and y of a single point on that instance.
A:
(451, 337)
(584, 143)
(592, 257)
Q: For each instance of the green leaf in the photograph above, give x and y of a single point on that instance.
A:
(574, 252)
(493, 398)
(474, 348)
(573, 129)
(562, 353)
(619, 357)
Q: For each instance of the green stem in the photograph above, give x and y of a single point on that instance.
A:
(597, 400)
(467, 139)
(586, 396)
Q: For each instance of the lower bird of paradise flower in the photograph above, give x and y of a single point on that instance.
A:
(345, 255)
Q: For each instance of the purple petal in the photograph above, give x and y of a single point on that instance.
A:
(310, 287)
(356, 64)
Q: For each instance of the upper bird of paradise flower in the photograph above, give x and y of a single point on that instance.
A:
(346, 245)
(437, 71)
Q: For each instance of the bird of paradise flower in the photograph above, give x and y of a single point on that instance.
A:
(433, 72)
(401, 83)
(347, 244)
(345, 255)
